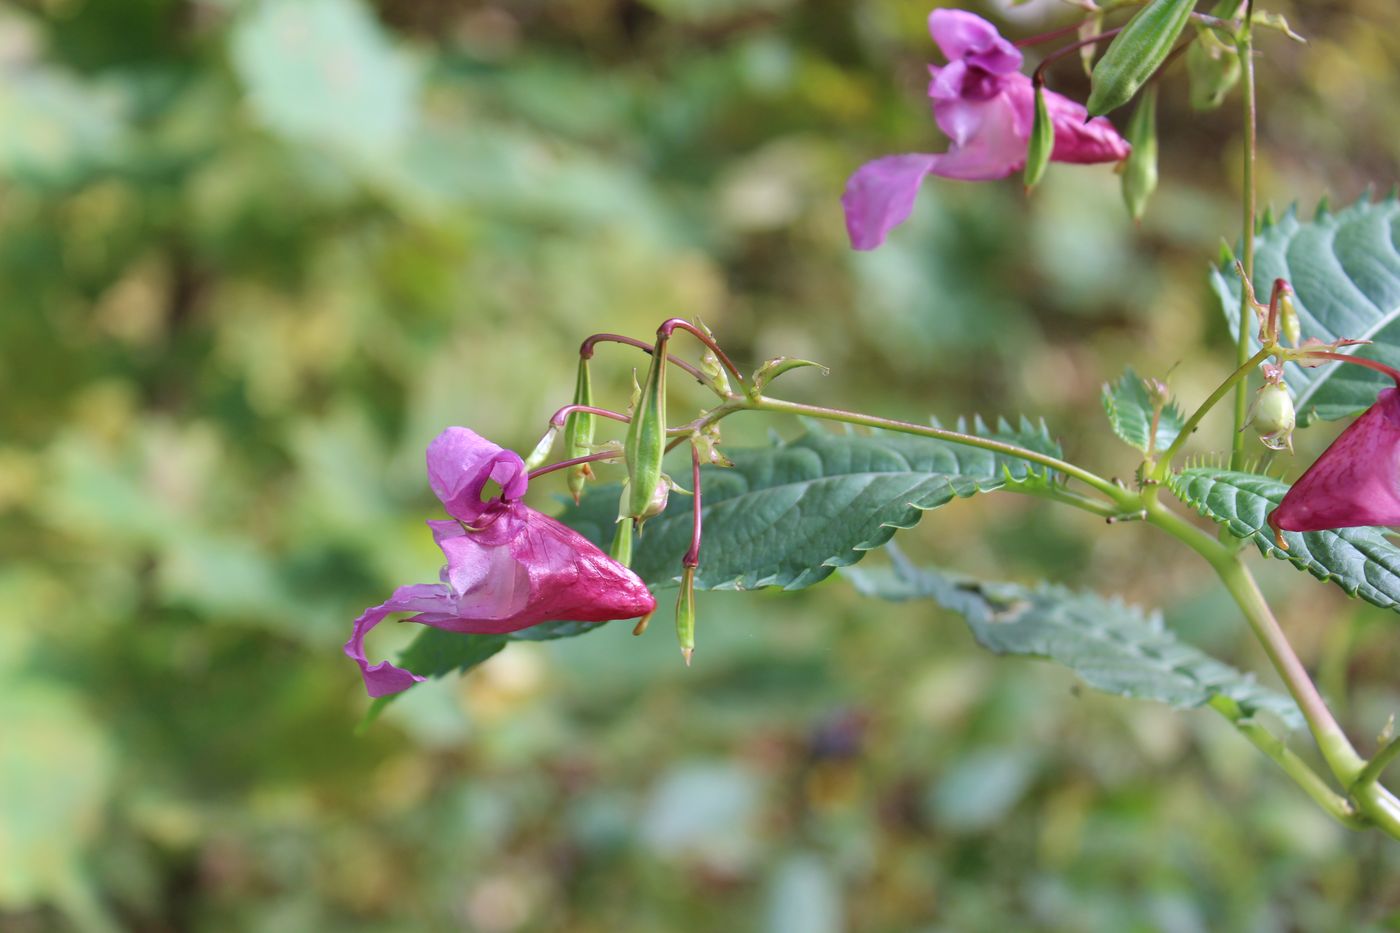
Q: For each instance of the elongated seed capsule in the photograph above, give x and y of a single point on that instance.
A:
(578, 431)
(1140, 169)
(1042, 142)
(1090, 27)
(1136, 53)
(1288, 324)
(685, 614)
(621, 550)
(646, 439)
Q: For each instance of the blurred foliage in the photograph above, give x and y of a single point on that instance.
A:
(254, 255)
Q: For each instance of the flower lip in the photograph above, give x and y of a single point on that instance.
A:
(1355, 481)
(967, 36)
(461, 463)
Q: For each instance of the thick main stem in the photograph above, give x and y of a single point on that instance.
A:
(1246, 48)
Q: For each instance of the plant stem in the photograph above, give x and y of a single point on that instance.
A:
(1313, 784)
(1246, 46)
(1117, 494)
(1237, 377)
(1377, 765)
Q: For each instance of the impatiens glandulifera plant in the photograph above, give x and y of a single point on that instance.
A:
(792, 513)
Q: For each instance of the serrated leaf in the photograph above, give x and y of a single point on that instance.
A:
(1362, 561)
(787, 515)
(1130, 409)
(1345, 273)
(784, 515)
(1112, 646)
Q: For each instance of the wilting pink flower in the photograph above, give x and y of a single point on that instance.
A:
(986, 107)
(1356, 481)
(508, 566)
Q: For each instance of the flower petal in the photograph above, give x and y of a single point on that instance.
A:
(1077, 141)
(1356, 480)
(963, 35)
(880, 196)
(996, 145)
(461, 462)
(384, 678)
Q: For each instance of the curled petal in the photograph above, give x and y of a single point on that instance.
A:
(963, 35)
(384, 678)
(1356, 480)
(880, 196)
(1075, 140)
(993, 133)
(461, 462)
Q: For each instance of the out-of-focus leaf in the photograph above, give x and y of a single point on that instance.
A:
(324, 72)
(55, 766)
(1362, 561)
(1345, 273)
(1112, 646)
(1130, 412)
(58, 129)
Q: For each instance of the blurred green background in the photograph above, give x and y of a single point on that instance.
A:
(254, 256)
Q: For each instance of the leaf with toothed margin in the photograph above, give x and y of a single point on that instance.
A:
(1130, 412)
(787, 515)
(1345, 271)
(1362, 561)
(1112, 646)
(784, 515)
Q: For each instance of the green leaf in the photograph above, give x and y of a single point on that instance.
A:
(1362, 561)
(784, 515)
(1345, 273)
(1130, 409)
(788, 515)
(1112, 646)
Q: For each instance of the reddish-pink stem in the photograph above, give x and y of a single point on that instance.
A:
(1358, 360)
(1281, 288)
(559, 416)
(1047, 36)
(692, 556)
(565, 464)
(585, 351)
(681, 323)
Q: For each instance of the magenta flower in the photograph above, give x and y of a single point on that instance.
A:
(986, 107)
(1356, 481)
(508, 566)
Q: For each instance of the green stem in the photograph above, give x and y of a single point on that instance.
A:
(1313, 784)
(1246, 47)
(1117, 494)
(1236, 378)
(1377, 765)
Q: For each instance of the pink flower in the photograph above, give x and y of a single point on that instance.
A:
(1356, 481)
(508, 566)
(986, 107)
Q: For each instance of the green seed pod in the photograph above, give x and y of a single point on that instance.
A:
(646, 439)
(621, 550)
(541, 452)
(1136, 53)
(685, 614)
(1213, 68)
(1090, 27)
(1140, 169)
(1042, 142)
(578, 431)
(1274, 417)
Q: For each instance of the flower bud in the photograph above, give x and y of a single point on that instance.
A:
(1274, 417)
(1042, 142)
(1136, 53)
(711, 366)
(1212, 67)
(1288, 326)
(541, 452)
(1140, 169)
(578, 431)
(685, 614)
(646, 439)
(659, 497)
